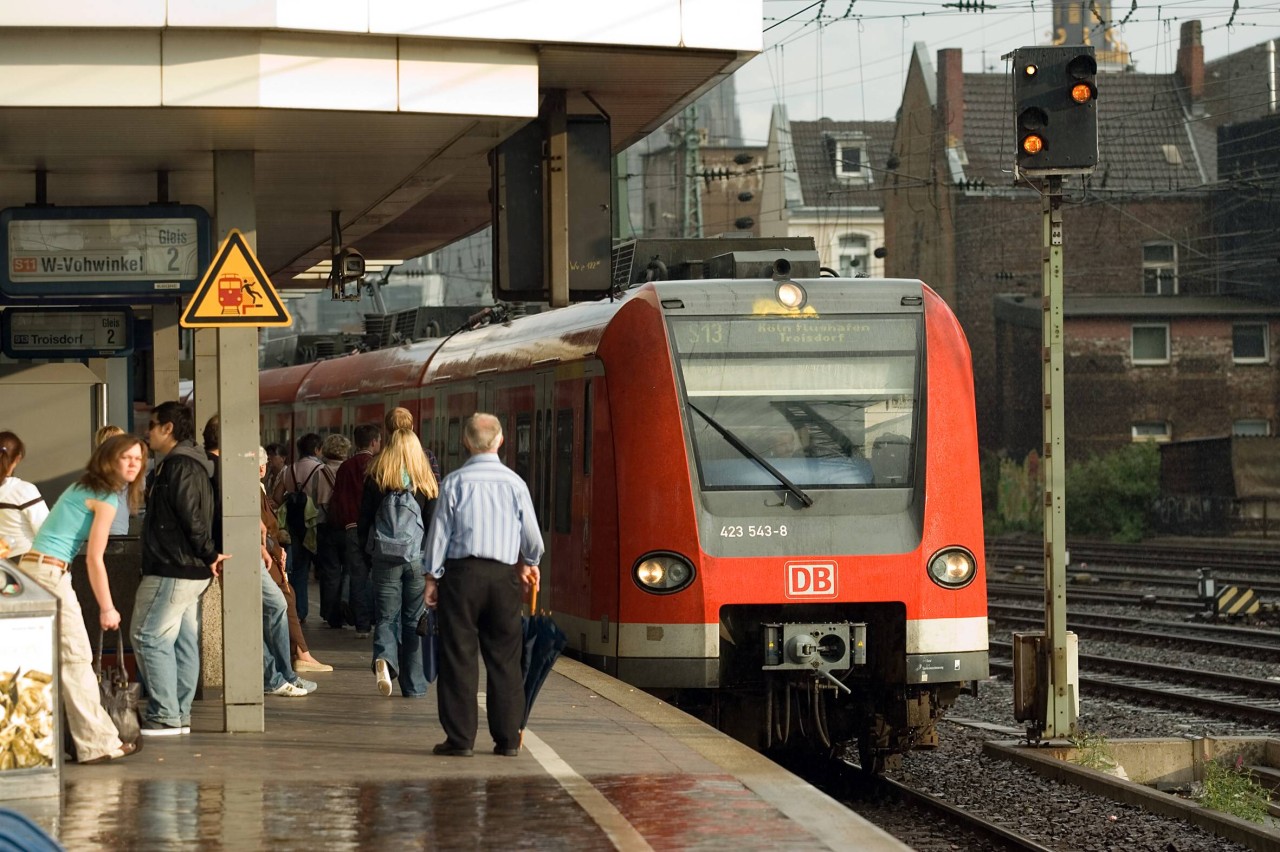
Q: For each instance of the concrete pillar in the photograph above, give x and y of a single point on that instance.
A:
(237, 400)
(164, 352)
(205, 405)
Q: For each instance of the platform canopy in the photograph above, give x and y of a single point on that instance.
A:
(384, 110)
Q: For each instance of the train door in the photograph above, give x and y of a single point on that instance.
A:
(565, 493)
(459, 404)
(542, 446)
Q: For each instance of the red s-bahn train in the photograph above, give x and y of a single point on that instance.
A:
(760, 496)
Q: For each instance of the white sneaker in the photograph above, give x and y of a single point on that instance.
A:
(384, 676)
(289, 690)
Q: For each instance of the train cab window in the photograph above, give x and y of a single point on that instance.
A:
(564, 471)
(524, 448)
(828, 402)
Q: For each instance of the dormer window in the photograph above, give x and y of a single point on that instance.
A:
(851, 160)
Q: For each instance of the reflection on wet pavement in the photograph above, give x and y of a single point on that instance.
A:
(701, 812)
(458, 813)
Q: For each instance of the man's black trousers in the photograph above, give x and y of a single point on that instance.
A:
(480, 609)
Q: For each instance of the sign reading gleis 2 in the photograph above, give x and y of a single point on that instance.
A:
(96, 251)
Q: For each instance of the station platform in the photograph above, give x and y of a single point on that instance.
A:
(604, 766)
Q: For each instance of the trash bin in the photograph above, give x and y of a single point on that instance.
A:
(30, 724)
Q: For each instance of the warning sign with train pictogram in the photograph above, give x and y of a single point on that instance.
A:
(235, 291)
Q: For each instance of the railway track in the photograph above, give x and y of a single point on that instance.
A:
(1144, 599)
(1218, 556)
(992, 831)
(1268, 584)
(1228, 640)
(1214, 694)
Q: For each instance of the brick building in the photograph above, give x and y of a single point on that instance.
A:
(1140, 232)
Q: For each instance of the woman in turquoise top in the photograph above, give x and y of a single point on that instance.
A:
(82, 516)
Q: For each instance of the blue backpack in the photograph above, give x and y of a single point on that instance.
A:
(398, 532)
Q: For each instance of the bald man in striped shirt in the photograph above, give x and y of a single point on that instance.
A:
(483, 545)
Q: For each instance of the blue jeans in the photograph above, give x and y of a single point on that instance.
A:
(361, 584)
(299, 565)
(166, 645)
(277, 668)
(397, 589)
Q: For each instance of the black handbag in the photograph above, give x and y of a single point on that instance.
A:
(120, 697)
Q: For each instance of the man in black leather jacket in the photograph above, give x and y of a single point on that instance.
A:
(179, 559)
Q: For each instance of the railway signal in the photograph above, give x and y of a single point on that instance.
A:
(1055, 93)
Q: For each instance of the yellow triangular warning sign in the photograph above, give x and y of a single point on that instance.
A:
(235, 291)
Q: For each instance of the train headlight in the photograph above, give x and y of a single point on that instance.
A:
(953, 568)
(790, 295)
(663, 573)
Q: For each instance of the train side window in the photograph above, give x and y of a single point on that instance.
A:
(564, 471)
(544, 468)
(454, 445)
(524, 445)
(587, 412)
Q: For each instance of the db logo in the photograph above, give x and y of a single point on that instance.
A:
(811, 579)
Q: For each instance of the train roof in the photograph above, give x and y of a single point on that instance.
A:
(370, 372)
(561, 335)
(279, 386)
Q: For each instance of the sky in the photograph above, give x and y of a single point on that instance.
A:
(848, 60)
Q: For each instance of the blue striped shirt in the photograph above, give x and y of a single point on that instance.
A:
(484, 510)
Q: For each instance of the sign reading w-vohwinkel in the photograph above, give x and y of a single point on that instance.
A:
(235, 291)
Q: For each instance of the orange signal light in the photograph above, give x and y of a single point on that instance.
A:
(1032, 144)
(1082, 93)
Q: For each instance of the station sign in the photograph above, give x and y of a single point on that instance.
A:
(103, 251)
(235, 291)
(66, 332)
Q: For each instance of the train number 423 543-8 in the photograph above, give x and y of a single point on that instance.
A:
(752, 530)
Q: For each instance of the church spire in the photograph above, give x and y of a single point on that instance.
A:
(1090, 22)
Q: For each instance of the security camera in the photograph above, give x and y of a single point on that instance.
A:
(349, 263)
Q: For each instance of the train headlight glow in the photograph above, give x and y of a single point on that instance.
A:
(953, 568)
(790, 295)
(663, 573)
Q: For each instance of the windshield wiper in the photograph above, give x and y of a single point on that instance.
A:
(741, 447)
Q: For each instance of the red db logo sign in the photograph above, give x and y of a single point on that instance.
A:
(811, 579)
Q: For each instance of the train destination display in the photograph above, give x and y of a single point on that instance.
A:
(103, 251)
(66, 332)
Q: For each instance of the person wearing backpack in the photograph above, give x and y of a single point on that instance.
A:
(295, 491)
(395, 507)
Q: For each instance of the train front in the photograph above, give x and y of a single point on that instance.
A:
(818, 577)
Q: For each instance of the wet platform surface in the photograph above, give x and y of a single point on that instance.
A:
(604, 766)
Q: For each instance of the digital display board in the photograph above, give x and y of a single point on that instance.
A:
(66, 332)
(103, 251)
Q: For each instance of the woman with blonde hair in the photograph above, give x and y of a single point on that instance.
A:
(82, 516)
(392, 537)
(120, 524)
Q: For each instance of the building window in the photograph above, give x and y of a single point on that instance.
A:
(1251, 426)
(1249, 343)
(851, 160)
(1159, 269)
(1151, 344)
(1152, 431)
(855, 254)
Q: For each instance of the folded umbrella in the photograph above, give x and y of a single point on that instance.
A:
(429, 630)
(543, 642)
